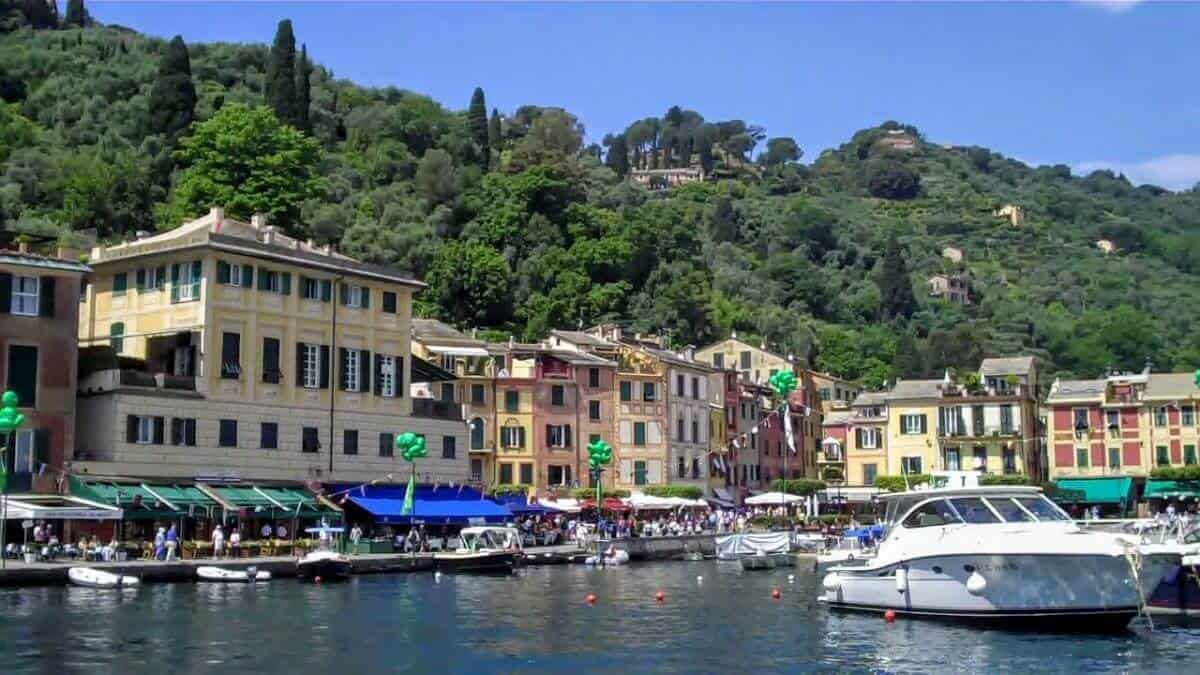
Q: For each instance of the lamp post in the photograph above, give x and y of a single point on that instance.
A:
(783, 383)
(10, 420)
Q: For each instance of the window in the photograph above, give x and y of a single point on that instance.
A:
(310, 358)
(228, 434)
(680, 468)
(145, 429)
(648, 391)
(980, 463)
(310, 289)
(951, 421)
(449, 447)
(25, 297)
(559, 475)
(1189, 415)
(506, 473)
(512, 436)
(718, 361)
(1009, 455)
(639, 472)
(234, 274)
(115, 331)
(952, 460)
(526, 473)
(1112, 421)
(1160, 416)
(1189, 455)
(680, 381)
(977, 420)
(512, 400)
(745, 360)
(825, 394)
(23, 374)
(351, 370)
(1114, 458)
(355, 297)
(387, 376)
(120, 284)
(477, 394)
(696, 388)
(932, 514)
(679, 428)
(270, 365)
(1162, 456)
(910, 465)
(912, 424)
(389, 302)
(271, 281)
(695, 430)
(25, 451)
(308, 440)
(269, 436)
(867, 438)
(1009, 510)
(626, 391)
(1081, 419)
(478, 430)
(1041, 508)
(593, 410)
(386, 444)
(973, 510)
(185, 281)
(557, 395)
(183, 431)
(349, 441)
(1081, 458)
(558, 435)
(151, 279)
(231, 356)
(869, 473)
(594, 378)
(639, 433)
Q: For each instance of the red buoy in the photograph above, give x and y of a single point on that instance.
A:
(775, 593)
(590, 598)
(660, 596)
(889, 616)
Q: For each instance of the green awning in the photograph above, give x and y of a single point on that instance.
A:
(1172, 489)
(1114, 490)
(146, 501)
(274, 501)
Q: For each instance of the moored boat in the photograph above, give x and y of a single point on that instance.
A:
(997, 554)
(494, 550)
(220, 574)
(324, 564)
(94, 578)
(767, 561)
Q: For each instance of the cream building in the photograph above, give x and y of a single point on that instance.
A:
(240, 353)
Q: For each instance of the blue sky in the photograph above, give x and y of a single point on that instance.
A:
(1088, 84)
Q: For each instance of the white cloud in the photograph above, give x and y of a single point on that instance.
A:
(1174, 172)
(1111, 6)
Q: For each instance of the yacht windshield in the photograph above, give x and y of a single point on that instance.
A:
(1009, 510)
(932, 514)
(973, 510)
(1041, 508)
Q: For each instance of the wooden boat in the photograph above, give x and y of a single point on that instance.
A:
(487, 550)
(94, 578)
(220, 574)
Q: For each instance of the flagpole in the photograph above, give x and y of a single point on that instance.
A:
(4, 499)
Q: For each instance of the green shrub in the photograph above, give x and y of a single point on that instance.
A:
(681, 491)
(1176, 473)
(801, 486)
(590, 493)
(504, 490)
(1004, 479)
(896, 483)
(831, 473)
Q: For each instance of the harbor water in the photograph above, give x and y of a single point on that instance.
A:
(535, 621)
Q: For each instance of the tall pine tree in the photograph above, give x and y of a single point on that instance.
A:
(303, 91)
(477, 123)
(898, 301)
(907, 361)
(76, 14)
(617, 158)
(495, 132)
(281, 74)
(173, 98)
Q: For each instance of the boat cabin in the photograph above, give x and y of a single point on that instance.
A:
(983, 505)
(474, 539)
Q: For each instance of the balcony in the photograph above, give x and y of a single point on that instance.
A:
(439, 410)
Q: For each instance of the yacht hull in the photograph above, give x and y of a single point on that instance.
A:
(484, 562)
(1063, 590)
(326, 569)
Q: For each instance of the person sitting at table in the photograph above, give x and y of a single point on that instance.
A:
(265, 532)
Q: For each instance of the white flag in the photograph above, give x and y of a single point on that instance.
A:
(787, 431)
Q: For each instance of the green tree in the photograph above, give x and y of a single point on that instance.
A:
(895, 287)
(889, 179)
(435, 177)
(477, 122)
(471, 283)
(303, 91)
(245, 160)
(781, 151)
(907, 362)
(76, 14)
(281, 74)
(495, 133)
(15, 130)
(554, 137)
(617, 158)
(173, 98)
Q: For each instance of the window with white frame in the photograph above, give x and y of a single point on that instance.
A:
(912, 424)
(1160, 416)
(354, 296)
(25, 300)
(145, 430)
(188, 286)
(869, 437)
(1189, 415)
(312, 366)
(23, 451)
(387, 376)
(351, 370)
(235, 274)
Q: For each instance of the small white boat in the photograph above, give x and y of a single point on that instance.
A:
(209, 573)
(94, 578)
(848, 551)
(483, 550)
(611, 557)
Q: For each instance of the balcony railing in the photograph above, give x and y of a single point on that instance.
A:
(141, 378)
(438, 410)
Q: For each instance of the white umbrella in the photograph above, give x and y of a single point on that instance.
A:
(773, 499)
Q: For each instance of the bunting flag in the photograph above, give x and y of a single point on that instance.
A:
(3, 474)
(787, 431)
(42, 469)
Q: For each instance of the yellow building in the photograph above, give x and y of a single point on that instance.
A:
(246, 354)
(756, 364)
(516, 381)
(834, 392)
(912, 418)
(866, 443)
(718, 434)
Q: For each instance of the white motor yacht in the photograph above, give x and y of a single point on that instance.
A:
(998, 554)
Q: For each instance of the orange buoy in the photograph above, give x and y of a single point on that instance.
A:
(775, 593)
(889, 616)
(590, 598)
(660, 596)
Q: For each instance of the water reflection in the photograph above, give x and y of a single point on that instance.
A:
(533, 622)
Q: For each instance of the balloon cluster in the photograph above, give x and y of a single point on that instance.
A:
(599, 453)
(783, 382)
(1196, 378)
(10, 417)
(411, 446)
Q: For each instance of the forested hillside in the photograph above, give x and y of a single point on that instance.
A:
(519, 226)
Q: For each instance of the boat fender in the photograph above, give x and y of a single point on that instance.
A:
(976, 584)
(832, 581)
(901, 580)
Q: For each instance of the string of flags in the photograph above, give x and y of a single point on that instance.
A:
(738, 441)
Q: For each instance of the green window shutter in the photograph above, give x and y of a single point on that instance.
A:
(343, 384)
(5, 293)
(46, 297)
(264, 277)
(141, 280)
(23, 374)
(364, 378)
(326, 290)
(120, 281)
(299, 364)
(175, 283)
(344, 294)
(324, 366)
(639, 433)
(159, 424)
(247, 276)
(222, 272)
(41, 448)
(366, 298)
(196, 280)
(285, 283)
(160, 278)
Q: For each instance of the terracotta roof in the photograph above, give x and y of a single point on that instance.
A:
(871, 398)
(672, 357)
(1012, 365)
(905, 389)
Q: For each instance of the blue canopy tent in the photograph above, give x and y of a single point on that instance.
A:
(433, 505)
(518, 505)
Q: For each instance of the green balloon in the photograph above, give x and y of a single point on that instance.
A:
(10, 399)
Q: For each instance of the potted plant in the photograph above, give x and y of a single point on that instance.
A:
(30, 551)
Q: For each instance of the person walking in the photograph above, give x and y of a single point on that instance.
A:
(235, 543)
(172, 543)
(218, 541)
(160, 543)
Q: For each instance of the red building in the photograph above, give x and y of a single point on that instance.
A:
(573, 404)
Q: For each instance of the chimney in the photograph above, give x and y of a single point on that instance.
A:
(66, 253)
(328, 249)
(217, 215)
(296, 244)
(310, 243)
(22, 246)
(269, 234)
(258, 221)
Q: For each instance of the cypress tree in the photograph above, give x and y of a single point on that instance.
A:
(907, 362)
(281, 74)
(477, 122)
(303, 91)
(173, 98)
(495, 132)
(895, 288)
(40, 13)
(617, 158)
(76, 14)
